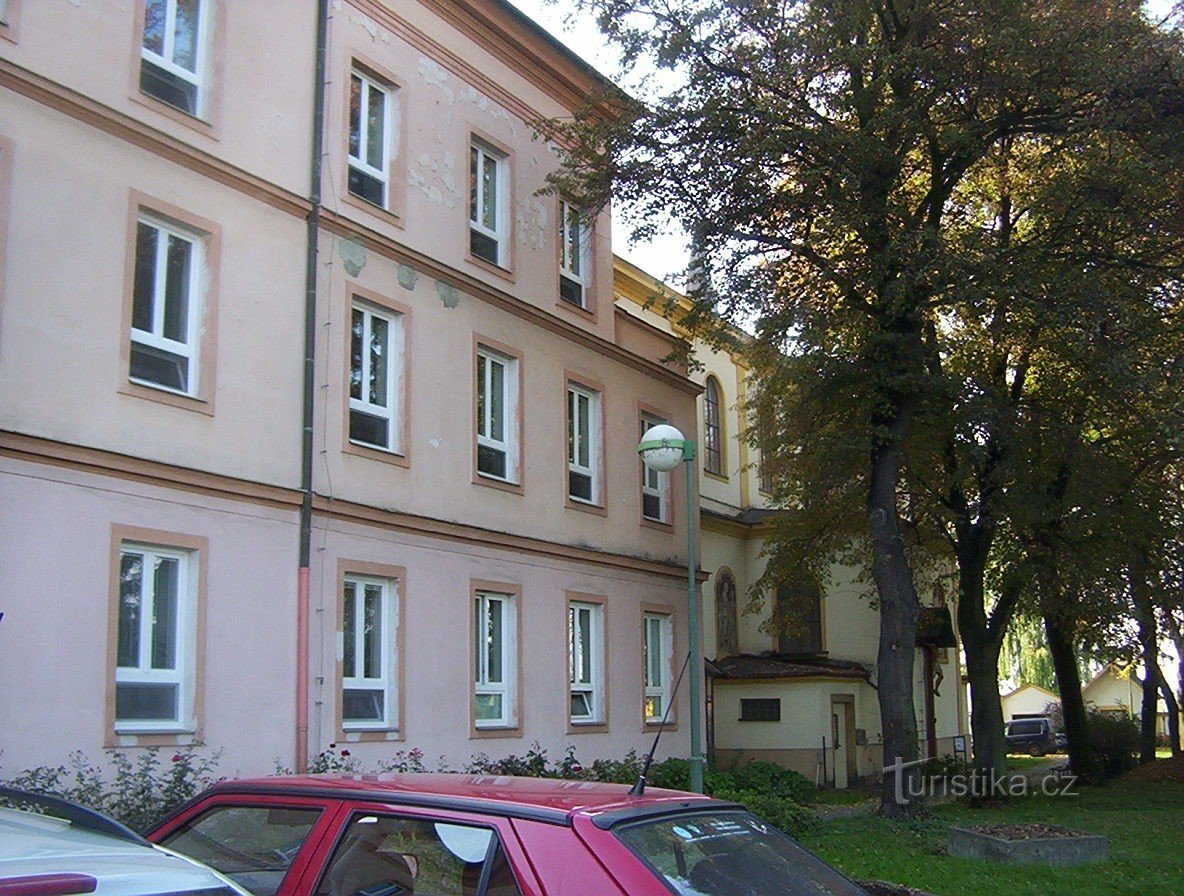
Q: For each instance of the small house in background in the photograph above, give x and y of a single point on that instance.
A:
(1028, 701)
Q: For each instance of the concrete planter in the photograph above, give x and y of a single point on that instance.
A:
(1077, 849)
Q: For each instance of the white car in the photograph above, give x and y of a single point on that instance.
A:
(76, 850)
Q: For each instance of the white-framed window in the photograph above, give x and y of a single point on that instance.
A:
(583, 444)
(166, 306)
(573, 255)
(172, 52)
(657, 646)
(494, 659)
(655, 485)
(488, 182)
(370, 128)
(585, 646)
(497, 415)
(375, 377)
(155, 647)
(369, 616)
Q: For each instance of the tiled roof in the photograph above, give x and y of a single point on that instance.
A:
(746, 666)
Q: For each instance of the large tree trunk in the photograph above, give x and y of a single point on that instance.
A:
(898, 631)
(1173, 712)
(1149, 651)
(986, 709)
(982, 640)
(1059, 630)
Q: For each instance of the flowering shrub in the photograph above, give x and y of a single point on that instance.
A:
(137, 792)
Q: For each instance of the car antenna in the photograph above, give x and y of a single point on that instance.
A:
(639, 787)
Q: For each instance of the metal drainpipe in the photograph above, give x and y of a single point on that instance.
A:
(310, 319)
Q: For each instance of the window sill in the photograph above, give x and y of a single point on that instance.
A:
(671, 725)
(504, 485)
(196, 123)
(394, 458)
(163, 396)
(657, 525)
(587, 727)
(379, 211)
(581, 311)
(586, 506)
(718, 477)
(494, 731)
(496, 269)
(152, 737)
(369, 735)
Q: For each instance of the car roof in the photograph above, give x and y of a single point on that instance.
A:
(554, 800)
(33, 845)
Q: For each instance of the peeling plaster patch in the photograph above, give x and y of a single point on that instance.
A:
(435, 75)
(435, 443)
(353, 256)
(407, 276)
(531, 222)
(448, 294)
(485, 104)
(436, 179)
(367, 24)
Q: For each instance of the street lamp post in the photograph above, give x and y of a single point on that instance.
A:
(662, 448)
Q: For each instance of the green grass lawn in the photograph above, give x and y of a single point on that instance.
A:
(1145, 824)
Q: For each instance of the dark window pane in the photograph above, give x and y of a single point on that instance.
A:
(651, 507)
(154, 19)
(365, 186)
(145, 281)
(483, 246)
(579, 486)
(368, 429)
(491, 461)
(166, 584)
(379, 350)
(570, 291)
(376, 129)
(156, 366)
(176, 290)
(131, 572)
(760, 709)
(357, 335)
(135, 702)
(372, 633)
(355, 118)
(168, 87)
(799, 615)
(349, 630)
(361, 705)
(185, 34)
(265, 840)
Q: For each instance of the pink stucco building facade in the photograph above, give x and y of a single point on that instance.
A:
(430, 532)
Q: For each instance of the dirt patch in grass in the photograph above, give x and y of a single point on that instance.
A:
(883, 888)
(1161, 771)
(1025, 831)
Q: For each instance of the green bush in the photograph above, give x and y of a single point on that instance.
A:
(1114, 742)
(138, 793)
(782, 812)
(763, 777)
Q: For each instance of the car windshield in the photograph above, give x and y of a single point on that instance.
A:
(730, 854)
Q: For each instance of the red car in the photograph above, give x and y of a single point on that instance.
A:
(472, 835)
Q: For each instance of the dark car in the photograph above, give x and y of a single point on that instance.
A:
(1032, 736)
(472, 835)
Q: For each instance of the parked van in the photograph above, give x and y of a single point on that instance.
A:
(1033, 736)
